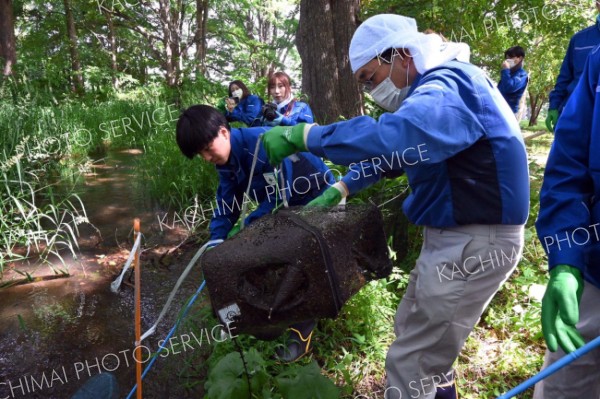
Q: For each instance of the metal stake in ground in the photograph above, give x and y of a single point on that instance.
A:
(138, 311)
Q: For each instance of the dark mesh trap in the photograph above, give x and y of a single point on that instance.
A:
(295, 265)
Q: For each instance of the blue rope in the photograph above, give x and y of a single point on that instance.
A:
(562, 362)
(185, 311)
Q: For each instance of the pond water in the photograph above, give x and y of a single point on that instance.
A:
(56, 334)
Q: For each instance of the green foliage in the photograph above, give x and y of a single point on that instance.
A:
(172, 178)
(231, 378)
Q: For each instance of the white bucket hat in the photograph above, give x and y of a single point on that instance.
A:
(384, 31)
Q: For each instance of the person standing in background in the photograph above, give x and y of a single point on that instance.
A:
(513, 78)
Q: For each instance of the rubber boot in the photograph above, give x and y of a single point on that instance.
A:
(298, 342)
(446, 391)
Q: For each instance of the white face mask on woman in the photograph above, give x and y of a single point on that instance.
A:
(387, 95)
(237, 93)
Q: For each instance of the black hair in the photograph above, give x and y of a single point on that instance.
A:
(241, 85)
(516, 51)
(197, 127)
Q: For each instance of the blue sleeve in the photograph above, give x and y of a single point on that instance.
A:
(432, 125)
(267, 205)
(300, 114)
(247, 110)
(567, 190)
(253, 109)
(229, 202)
(360, 176)
(565, 77)
(511, 84)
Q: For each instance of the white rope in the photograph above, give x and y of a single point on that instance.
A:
(244, 201)
(202, 249)
(283, 193)
(114, 287)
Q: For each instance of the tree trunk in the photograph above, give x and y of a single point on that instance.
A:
(75, 63)
(170, 23)
(323, 39)
(536, 102)
(200, 39)
(113, 48)
(8, 53)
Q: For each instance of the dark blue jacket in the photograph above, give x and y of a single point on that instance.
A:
(247, 110)
(457, 141)
(306, 178)
(568, 224)
(579, 47)
(296, 112)
(293, 113)
(512, 85)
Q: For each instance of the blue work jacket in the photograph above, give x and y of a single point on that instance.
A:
(457, 141)
(293, 113)
(569, 217)
(306, 177)
(296, 112)
(572, 66)
(248, 110)
(512, 85)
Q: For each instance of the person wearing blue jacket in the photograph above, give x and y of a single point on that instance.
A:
(570, 71)
(455, 137)
(202, 130)
(513, 78)
(241, 106)
(289, 110)
(567, 226)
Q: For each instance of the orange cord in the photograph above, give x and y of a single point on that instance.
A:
(138, 310)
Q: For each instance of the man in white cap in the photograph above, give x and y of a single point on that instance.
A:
(467, 168)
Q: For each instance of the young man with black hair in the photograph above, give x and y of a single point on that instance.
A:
(513, 78)
(202, 130)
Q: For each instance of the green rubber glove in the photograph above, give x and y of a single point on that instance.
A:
(330, 197)
(560, 309)
(234, 230)
(282, 141)
(551, 119)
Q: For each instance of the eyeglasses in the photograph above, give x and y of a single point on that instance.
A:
(368, 85)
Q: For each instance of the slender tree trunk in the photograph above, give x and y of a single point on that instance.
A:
(168, 60)
(170, 22)
(536, 102)
(113, 48)
(200, 39)
(323, 39)
(8, 53)
(76, 71)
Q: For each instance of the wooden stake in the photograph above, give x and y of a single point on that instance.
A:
(138, 309)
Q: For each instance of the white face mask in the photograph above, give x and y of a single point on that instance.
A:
(387, 95)
(237, 93)
(511, 62)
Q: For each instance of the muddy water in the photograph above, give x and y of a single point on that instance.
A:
(54, 335)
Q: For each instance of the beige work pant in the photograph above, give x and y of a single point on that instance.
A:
(457, 273)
